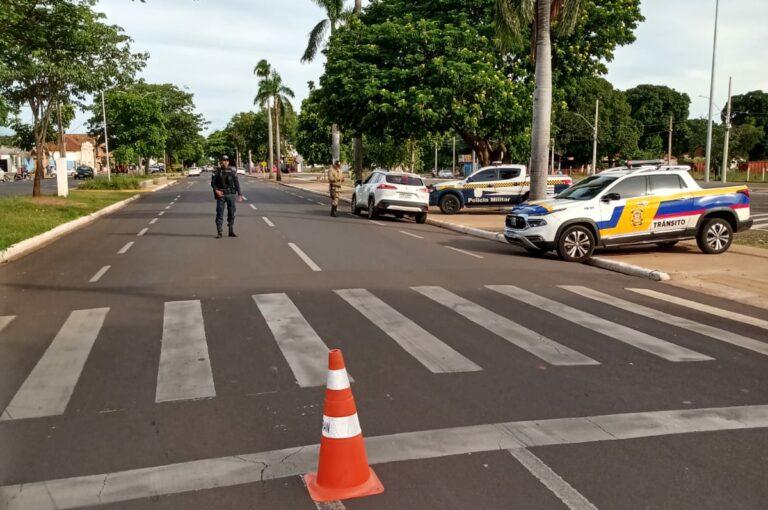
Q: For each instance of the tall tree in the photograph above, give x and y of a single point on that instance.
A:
(271, 86)
(58, 51)
(752, 108)
(652, 106)
(512, 16)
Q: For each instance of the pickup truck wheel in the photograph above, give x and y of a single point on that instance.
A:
(421, 218)
(715, 236)
(450, 204)
(576, 244)
(355, 208)
(372, 212)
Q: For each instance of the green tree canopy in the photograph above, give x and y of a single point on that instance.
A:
(58, 51)
(752, 109)
(651, 107)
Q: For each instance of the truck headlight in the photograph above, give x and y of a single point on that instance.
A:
(537, 222)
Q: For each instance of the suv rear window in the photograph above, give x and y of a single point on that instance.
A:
(508, 173)
(666, 183)
(404, 180)
(631, 187)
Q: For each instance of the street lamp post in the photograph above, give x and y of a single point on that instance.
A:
(595, 128)
(106, 139)
(708, 159)
(724, 170)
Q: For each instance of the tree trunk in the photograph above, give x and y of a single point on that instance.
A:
(358, 6)
(271, 142)
(278, 144)
(542, 102)
(358, 142)
(62, 144)
(146, 165)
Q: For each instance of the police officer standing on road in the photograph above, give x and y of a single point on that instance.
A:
(226, 190)
(335, 178)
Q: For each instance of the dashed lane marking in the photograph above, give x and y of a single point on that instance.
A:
(125, 248)
(212, 473)
(629, 336)
(551, 480)
(101, 272)
(142, 232)
(253, 207)
(465, 252)
(378, 223)
(303, 256)
(167, 207)
(153, 221)
(48, 388)
(5, 320)
(409, 234)
(161, 213)
(266, 220)
(701, 307)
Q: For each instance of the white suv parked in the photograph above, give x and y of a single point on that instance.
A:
(397, 193)
(646, 202)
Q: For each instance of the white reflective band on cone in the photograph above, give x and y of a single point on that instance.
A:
(337, 379)
(341, 428)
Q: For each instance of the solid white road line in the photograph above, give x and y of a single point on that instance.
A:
(702, 329)
(185, 367)
(142, 232)
(647, 343)
(409, 234)
(95, 278)
(303, 256)
(196, 475)
(5, 320)
(760, 226)
(125, 248)
(253, 207)
(551, 480)
(536, 344)
(49, 386)
(301, 346)
(153, 221)
(266, 220)
(465, 252)
(701, 307)
(431, 352)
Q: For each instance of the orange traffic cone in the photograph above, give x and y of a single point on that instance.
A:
(343, 471)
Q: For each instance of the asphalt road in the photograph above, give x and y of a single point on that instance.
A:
(145, 364)
(48, 187)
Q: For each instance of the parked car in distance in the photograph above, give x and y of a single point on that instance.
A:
(194, 172)
(445, 174)
(71, 172)
(155, 169)
(241, 171)
(397, 193)
(84, 172)
(646, 202)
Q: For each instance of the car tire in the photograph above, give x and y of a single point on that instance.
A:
(667, 244)
(372, 212)
(576, 244)
(715, 236)
(449, 204)
(355, 208)
(421, 218)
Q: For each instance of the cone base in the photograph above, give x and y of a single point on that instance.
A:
(323, 494)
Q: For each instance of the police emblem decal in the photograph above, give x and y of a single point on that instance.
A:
(637, 218)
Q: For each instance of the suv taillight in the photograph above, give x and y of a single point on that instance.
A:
(386, 186)
(423, 190)
(745, 191)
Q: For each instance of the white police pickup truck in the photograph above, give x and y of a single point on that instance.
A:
(494, 186)
(644, 202)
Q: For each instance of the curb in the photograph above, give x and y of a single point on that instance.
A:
(27, 246)
(629, 269)
(610, 265)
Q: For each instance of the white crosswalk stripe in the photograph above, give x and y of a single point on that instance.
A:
(703, 329)
(48, 388)
(5, 320)
(701, 307)
(536, 344)
(305, 352)
(645, 342)
(431, 352)
(185, 368)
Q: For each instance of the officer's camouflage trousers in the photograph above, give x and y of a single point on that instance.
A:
(335, 191)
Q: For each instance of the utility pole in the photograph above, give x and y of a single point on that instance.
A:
(435, 159)
(594, 141)
(669, 151)
(453, 161)
(106, 138)
(708, 160)
(724, 170)
(552, 164)
(62, 188)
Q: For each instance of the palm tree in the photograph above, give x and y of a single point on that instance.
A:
(271, 88)
(263, 99)
(513, 17)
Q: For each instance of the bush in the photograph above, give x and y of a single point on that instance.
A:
(118, 182)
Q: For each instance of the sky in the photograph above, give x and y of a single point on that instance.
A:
(211, 46)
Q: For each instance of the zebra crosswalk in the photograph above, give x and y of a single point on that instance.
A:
(185, 371)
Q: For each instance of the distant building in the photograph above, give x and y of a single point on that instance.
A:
(80, 150)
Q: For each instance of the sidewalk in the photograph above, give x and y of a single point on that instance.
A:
(741, 274)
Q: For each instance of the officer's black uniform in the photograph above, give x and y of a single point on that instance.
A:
(225, 180)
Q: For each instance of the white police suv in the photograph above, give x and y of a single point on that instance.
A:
(644, 202)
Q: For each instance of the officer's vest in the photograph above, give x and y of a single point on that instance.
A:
(225, 180)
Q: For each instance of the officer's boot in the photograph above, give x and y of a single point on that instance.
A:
(232, 232)
(333, 211)
(218, 235)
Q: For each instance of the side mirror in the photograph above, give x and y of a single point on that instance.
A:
(610, 197)
(358, 182)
